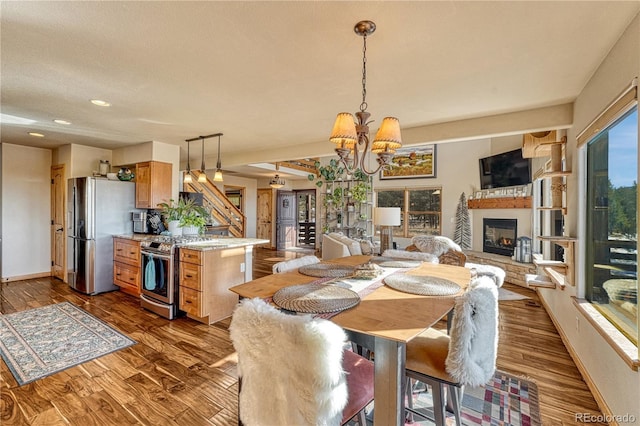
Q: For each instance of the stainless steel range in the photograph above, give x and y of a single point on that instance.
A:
(160, 278)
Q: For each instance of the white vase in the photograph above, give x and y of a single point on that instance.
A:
(190, 230)
(175, 229)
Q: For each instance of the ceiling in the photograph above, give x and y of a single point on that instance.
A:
(271, 76)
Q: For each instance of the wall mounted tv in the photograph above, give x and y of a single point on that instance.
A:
(506, 169)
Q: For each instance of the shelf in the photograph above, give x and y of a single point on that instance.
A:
(559, 173)
(500, 203)
(556, 277)
(550, 263)
(539, 281)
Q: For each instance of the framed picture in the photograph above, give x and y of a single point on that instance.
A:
(411, 163)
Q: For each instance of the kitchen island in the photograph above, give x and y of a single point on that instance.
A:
(196, 274)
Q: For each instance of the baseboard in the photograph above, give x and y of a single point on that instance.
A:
(604, 408)
(26, 277)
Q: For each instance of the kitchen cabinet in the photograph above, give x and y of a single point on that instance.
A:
(205, 277)
(126, 265)
(153, 184)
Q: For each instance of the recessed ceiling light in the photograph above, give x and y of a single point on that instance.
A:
(100, 102)
(65, 122)
(38, 135)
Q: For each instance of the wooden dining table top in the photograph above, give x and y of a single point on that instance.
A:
(385, 313)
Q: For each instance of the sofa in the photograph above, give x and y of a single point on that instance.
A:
(336, 244)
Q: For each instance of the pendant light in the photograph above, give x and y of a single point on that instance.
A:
(276, 182)
(187, 175)
(203, 175)
(218, 176)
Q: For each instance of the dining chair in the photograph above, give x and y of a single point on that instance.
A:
(290, 265)
(465, 357)
(294, 369)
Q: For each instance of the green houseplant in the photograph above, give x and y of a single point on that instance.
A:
(184, 214)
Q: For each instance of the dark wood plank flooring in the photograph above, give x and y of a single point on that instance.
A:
(182, 372)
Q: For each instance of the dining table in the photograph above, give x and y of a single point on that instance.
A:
(383, 321)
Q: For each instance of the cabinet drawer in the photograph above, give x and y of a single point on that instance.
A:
(191, 256)
(190, 276)
(126, 276)
(126, 251)
(191, 302)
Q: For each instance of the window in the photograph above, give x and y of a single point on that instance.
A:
(611, 226)
(421, 210)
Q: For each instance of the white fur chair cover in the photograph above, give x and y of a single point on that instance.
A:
(290, 366)
(288, 265)
(495, 273)
(434, 244)
(474, 334)
(415, 255)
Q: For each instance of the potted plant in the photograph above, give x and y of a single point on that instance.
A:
(193, 218)
(172, 212)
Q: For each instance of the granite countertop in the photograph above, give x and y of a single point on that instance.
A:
(136, 237)
(222, 243)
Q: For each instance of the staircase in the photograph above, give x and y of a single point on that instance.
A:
(214, 200)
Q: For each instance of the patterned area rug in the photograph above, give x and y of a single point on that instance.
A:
(39, 342)
(506, 401)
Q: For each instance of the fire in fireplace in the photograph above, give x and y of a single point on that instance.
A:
(499, 236)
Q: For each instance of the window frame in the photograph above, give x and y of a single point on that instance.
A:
(403, 230)
(622, 105)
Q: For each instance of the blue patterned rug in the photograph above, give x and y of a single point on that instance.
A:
(42, 341)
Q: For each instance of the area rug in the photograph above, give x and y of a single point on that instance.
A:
(506, 295)
(506, 401)
(42, 341)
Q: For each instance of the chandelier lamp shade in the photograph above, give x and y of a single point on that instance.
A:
(351, 136)
(202, 178)
(276, 182)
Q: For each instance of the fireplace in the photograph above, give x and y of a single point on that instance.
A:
(499, 236)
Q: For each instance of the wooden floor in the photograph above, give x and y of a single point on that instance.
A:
(182, 372)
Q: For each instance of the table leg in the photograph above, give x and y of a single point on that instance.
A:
(389, 356)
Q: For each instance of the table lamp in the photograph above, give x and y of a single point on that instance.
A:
(386, 218)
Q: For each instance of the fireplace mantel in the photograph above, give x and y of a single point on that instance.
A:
(500, 203)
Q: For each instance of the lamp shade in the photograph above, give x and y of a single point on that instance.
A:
(217, 177)
(388, 138)
(387, 216)
(344, 131)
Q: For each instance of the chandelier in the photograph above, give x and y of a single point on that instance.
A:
(353, 137)
(276, 182)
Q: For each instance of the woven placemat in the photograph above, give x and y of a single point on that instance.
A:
(322, 270)
(400, 264)
(315, 298)
(422, 284)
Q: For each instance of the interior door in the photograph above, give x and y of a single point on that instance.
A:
(58, 252)
(286, 220)
(264, 216)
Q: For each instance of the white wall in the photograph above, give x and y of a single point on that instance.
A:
(618, 385)
(85, 160)
(26, 210)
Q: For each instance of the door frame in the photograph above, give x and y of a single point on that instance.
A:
(61, 169)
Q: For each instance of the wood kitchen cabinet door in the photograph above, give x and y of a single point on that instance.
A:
(153, 184)
(126, 265)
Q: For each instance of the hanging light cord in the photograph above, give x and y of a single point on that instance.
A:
(188, 155)
(363, 105)
(202, 166)
(218, 165)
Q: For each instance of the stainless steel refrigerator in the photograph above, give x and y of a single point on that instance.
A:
(97, 209)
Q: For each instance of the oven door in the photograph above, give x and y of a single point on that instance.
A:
(157, 277)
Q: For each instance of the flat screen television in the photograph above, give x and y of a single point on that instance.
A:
(506, 169)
